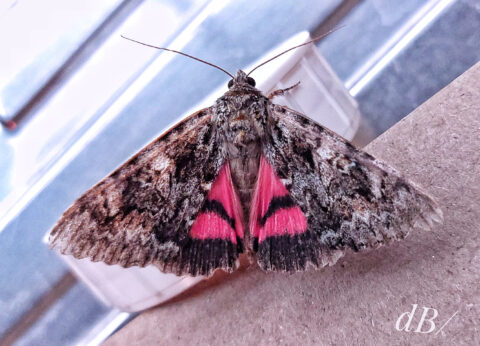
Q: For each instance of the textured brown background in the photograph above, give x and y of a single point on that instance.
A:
(359, 300)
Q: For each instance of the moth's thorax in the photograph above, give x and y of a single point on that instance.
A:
(242, 115)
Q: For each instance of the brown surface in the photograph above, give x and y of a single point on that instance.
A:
(359, 300)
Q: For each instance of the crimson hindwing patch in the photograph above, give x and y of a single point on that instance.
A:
(217, 233)
(276, 221)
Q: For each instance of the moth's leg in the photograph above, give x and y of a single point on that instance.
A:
(282, 91)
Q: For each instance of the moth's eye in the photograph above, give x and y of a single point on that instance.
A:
(230, 83)
(251, 81)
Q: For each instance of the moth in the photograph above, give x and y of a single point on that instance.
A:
(242, 176)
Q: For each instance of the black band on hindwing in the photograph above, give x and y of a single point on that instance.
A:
(217, 208)
(277, 203)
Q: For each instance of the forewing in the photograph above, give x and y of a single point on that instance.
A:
(143, 212)
(349, 199)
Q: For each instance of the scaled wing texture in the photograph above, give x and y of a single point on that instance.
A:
(143, 212)
(349, 199)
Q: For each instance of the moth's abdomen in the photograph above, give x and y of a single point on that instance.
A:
(244, 163)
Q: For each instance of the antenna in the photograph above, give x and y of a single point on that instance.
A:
(300, 45)
(178, 52)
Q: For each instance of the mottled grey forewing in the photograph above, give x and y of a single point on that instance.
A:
(141, 214)
(350, 199)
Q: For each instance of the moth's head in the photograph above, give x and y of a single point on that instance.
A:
(241, 80)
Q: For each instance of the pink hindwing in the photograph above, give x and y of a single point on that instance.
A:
(220, 217)
(273, 211)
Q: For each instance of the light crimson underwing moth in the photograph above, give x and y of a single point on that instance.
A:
(242, 176)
